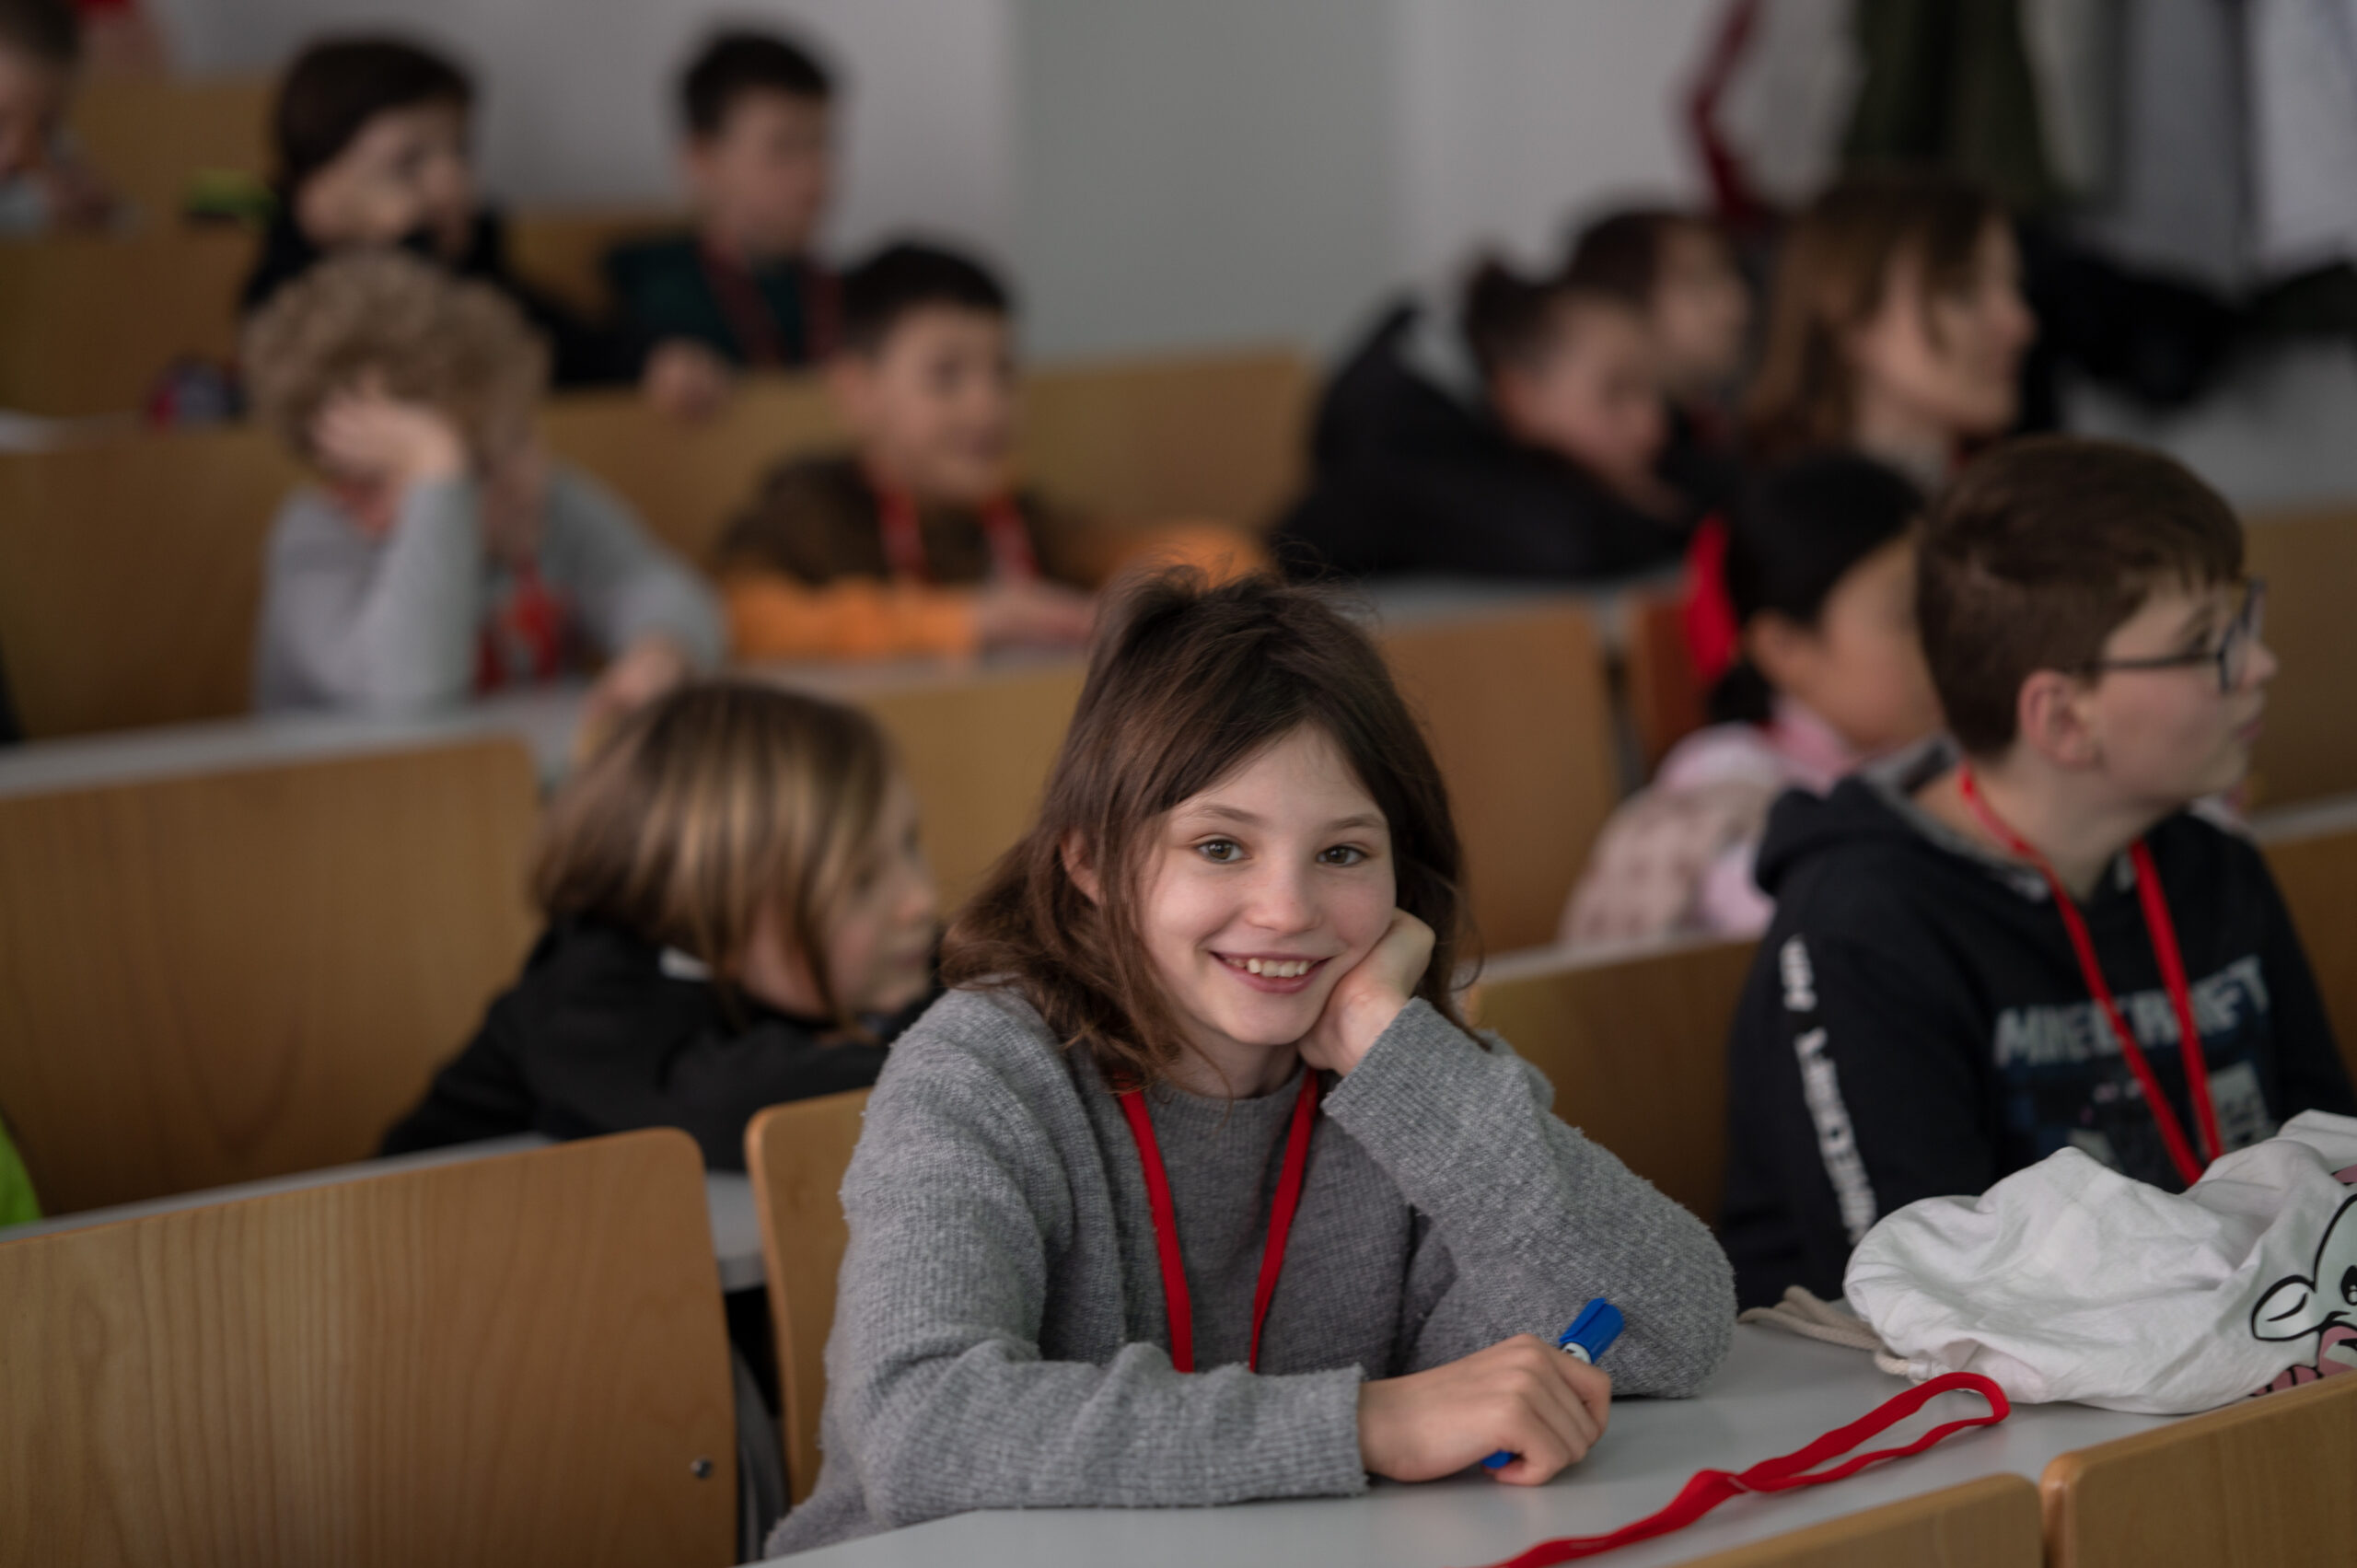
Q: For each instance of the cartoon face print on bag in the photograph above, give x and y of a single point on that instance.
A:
(2323, 1303)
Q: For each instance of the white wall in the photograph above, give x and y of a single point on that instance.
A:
(576, 94)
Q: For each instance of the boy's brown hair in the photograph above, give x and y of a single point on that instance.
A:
(1834, 272)
(1186, 683)
(2039, 552)
(709, 803)
(336, 85)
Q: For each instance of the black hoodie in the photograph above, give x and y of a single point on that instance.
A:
(605, 1031)
(1916, 1024)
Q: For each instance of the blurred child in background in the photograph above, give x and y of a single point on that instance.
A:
(918, 540)
(373, 138)
(739, 913)
(1552, 468)
(1821, 567)
(443, 553)
(1681, 271)
(43, 186)
(741, 290)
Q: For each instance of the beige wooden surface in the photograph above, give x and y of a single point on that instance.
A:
(505, 1362)
(797, 1155)
(2317, 876)
(2270, 1483)
(88, 321)
(1989, 1523)
(2309, 558)
(220, 978)
(1520, 720)
(150, 136)
(1636, 1049)
(1664, 705)
(562, 250)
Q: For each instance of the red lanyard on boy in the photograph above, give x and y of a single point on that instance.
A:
(751, 321)
(1010, 542)
(2172, 965)
(1166, 1220)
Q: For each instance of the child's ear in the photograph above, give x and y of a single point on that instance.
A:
(1779, 648)
(1083, 876)
(2052, 716)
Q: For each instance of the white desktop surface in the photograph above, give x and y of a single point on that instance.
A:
(1775, 1393)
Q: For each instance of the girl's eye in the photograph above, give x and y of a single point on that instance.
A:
(1341, 854)
(1220, 852)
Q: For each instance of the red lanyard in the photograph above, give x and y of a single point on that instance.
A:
(1166, 1220)
(1786, 1472)
(1010, 542)
(2165, 951)
(754, 324)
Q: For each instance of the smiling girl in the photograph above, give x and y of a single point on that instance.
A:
(1196, 1189)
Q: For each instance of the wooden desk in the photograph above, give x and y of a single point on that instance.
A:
(1775, 1393)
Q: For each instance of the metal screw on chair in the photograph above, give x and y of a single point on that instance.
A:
(699, 1468)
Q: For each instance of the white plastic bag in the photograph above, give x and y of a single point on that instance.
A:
(2068, 1281)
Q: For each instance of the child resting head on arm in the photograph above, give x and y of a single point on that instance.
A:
(739, 913)
(1195, 1188)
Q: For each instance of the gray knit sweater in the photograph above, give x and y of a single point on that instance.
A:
(1000, 1335)
(355, 620)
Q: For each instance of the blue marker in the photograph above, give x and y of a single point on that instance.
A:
(1590, 1335)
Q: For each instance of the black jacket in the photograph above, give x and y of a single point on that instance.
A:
(1407, 479)
(596, 1036)
(1916, 1026)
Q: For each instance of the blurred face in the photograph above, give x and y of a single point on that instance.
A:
(880, 937)
(1702, 312)
(1860, 668)
(2167, 736)
(935, 407)
(1948, 362)
(1594, 397)
(32, 96)
(406, 170)
(1284, 866)
(762, 180)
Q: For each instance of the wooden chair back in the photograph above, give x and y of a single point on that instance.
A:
(503, 1361)
(797, 1154)
(1666, 703)
(562, 250)
(1989, 1523)
(1515, 703)
(151, 137)
(88, 321)
(215, 979)
(2317, 876)
(2262, 1484)
(2309, 749)
(1636, 1049)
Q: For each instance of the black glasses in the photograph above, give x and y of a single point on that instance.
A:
(2231, 655)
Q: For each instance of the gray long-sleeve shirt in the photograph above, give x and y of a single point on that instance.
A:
(1000, 1335)
(394, 620)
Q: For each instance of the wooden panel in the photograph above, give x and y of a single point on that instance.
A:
(130, 577)
(978, 753)
(689, 480)
(1218, 435)
(2318, 879)
(88, 321)
(1664, 704)
(150, 137)
(216, 979)
(797, 1155)
(1521, 723)
(2262, 1484)
(1989, 1523)
(1636, 1049)
(2309, 560)
(501, 1362)
(562, 250)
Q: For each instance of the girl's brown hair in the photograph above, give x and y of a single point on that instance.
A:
(1832, 277)
(1186, 684)
(709, 803)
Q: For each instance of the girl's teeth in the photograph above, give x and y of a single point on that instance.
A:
(1277, 969)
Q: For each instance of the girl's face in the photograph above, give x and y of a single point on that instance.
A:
(1594, 397)
(1860, 668)
(1284, 868)
(880, 937)
(1949, 361)
(405, 170)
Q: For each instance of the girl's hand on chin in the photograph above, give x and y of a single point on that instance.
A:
(1365, 1001)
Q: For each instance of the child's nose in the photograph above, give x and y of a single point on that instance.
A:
(1283, 902)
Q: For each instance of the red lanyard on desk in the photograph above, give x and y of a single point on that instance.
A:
(1166, 1220)
(2172, 964)
(1787, 1472)
(1010, 543)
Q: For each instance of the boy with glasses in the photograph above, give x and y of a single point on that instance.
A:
(1992, 948)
